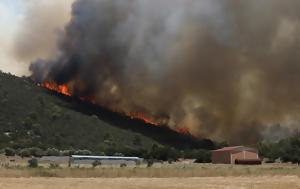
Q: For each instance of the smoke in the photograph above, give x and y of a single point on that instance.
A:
(7, 33)
(223, 69)
(29, 30)
(41, 26)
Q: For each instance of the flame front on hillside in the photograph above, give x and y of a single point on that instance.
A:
(64, 89)
(136, 115)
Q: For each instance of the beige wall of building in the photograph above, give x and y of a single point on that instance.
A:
(229, 156)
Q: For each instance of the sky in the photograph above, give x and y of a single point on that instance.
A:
(11, 14)
(25, 21)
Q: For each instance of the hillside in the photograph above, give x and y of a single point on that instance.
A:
(31, 116)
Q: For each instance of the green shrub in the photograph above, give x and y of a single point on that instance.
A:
(203, 157)
(123, 165)
(83, 152)
(33, 163)
(96, 163)
(54, 165)
(150, 162)
(56, 112)
(137, 141)
(25, 153)
(36, 152)
(101, 154)
(163, 153)
(52, 152)
(119, 154)
(67, 152)
(10, 152)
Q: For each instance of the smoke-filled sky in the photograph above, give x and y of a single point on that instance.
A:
(29, 30)
(10, 16)
(228, 70)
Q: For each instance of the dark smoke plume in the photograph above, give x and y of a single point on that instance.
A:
(223, 69)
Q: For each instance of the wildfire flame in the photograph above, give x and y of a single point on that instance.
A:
(64, 89)
(183, 130)
(136, 115)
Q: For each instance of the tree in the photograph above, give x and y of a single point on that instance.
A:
(288, 150)
(163, 153)
(291, 150)
(10, 152)
(150, 162)
(56, 112)
(83, 152)
(119, 154)
(25, 152)
(52, 152)
(33, 163)
(203, 156)
(137, 140)
(107, 136)
(36, 152)
(67, 152)
(41, 102)
(269, 150)
(28, 122)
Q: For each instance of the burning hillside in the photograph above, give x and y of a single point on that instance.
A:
(218, 69)
(64, 89)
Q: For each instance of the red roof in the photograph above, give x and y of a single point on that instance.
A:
(226, 149)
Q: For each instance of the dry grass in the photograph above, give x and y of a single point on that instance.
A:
(175, 176)
(267, 182)
(159, 171)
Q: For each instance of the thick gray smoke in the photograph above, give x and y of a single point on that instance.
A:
(223, 69)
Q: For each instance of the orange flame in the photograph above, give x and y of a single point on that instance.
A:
(63, 89)
(140, 116)
(183, 130)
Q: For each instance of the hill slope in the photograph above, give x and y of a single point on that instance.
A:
(33, 116)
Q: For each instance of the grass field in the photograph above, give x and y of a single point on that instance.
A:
(266, 182)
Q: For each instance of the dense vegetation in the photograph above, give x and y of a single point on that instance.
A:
(35, 121)
(285, 150)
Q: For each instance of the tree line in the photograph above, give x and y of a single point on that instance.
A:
(155, 153)
(285, 150)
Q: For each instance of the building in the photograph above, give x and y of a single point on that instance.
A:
(235, 155)
(105, 160)
(89, 160)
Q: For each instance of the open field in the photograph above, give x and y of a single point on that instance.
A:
(157, 171)
(266, 182)
(160, 176)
